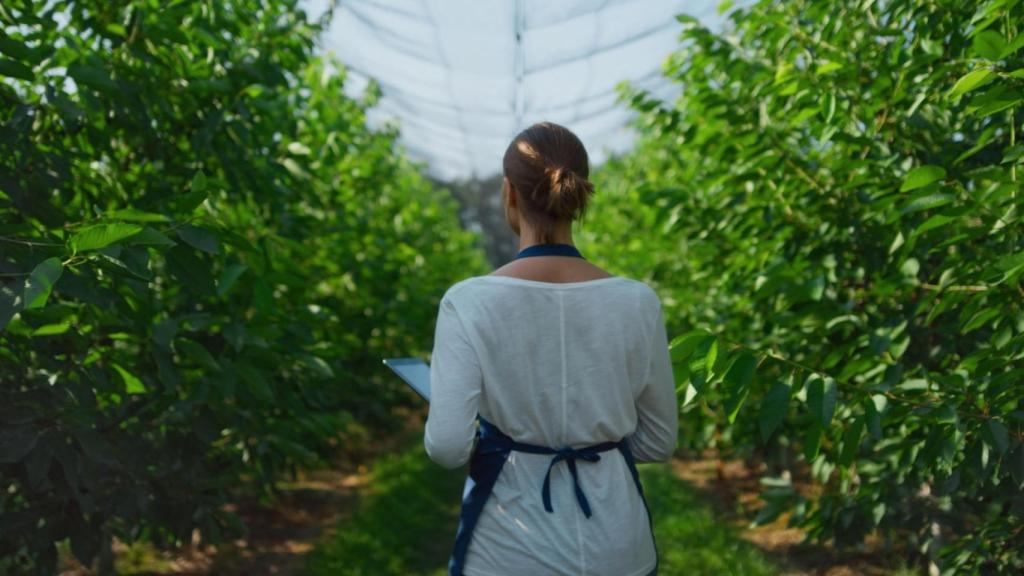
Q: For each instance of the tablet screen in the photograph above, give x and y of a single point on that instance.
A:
(415, 373)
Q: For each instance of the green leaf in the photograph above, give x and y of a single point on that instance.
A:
(150, 237)
(1013, 153)
(85, 541)
(93, 77)
(702, 360)
(682, 347)
(101, 235)
(989, 44)
(996, 435)
(922, 176)
(41, 281)
(981, 318)
(851, 442)
(16, 443)
(878, 512)
(198, 353)
(828, 106)
(934, 221)
(95, 445)
(187, 203)
(983, 140)
(774, 408)
(711, 356)
(802, 116)
(132, 384)
(913, 384)
(263, 297)
(132, 215)
(20, 51)
(164, 332)
(812, 441)
(737, 381)
(998, 104)
(200, 238)
(253, 381)
(687, 19)
(822, 394)
(689, 394)
(927, 202)
(13, 69)
(1013, 46)
(945, 414)
(874, 409)
(971, 81)
(165, 369)
(318, 366)
(52, 329)
(199, 181)
(228, 277)
(826, 67)
(234, 333)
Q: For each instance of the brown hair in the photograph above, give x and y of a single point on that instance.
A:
(548, 167)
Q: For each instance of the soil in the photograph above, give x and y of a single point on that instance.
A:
(733, 490)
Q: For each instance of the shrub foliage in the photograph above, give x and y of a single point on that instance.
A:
(831, 210)
(204, 252)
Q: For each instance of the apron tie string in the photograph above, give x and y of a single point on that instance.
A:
(569, 455)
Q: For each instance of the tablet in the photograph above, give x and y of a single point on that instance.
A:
(414, 371)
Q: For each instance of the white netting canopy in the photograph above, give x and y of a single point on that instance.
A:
(462, 77)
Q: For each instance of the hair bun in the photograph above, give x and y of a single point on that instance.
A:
(547, 165)
(567, 192)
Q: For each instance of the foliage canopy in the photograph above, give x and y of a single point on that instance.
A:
(831, 211)
(204, 253)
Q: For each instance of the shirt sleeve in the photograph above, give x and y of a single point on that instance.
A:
(455, 385)
(657, 427)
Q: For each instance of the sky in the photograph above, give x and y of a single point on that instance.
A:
(462, 77)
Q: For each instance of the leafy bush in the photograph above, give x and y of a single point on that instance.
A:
(204, 253)
(831, 213)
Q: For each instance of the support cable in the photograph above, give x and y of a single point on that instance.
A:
(520, 65)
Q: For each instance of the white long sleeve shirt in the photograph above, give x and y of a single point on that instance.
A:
(555, 364)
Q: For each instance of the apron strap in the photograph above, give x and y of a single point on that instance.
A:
(631, 464)
(484, 468)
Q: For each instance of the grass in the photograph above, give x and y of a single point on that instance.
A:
(405, 524)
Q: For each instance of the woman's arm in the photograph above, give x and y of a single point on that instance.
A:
(455, 384)
(657, 428)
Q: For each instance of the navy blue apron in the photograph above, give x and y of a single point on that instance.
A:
(493, 447)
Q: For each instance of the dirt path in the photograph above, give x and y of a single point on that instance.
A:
(311, 507)
(733, 490)
(279, 535)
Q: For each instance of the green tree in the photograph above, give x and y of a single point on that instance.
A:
(831, 212)
(204, 253)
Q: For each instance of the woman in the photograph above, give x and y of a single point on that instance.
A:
(566, 368)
